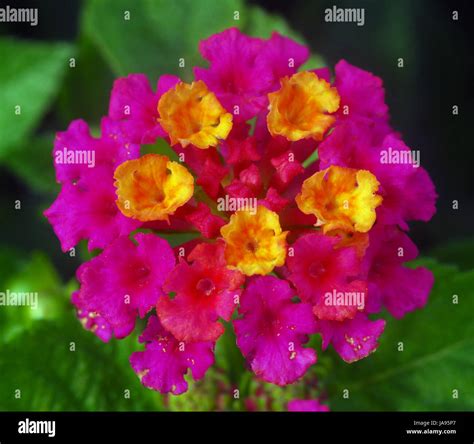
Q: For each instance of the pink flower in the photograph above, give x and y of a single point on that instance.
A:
(408, 192)
(318, 268)
(353, 339)
(207, 166)
(282, 56)
(275, 146)
(208, 224)
(240, 151)
(274, 201)
(206, 290)
(165, 361)
(234, 75)
(273, 329)
(134, 104)
(86, 209)
(287, 168)
(249, 183)
(400, 289)
(244, 69)
(361, 192)
(76, 153)
(124, 281)
(414, 184)
(361, 92)
(91, 320)
(306, 405)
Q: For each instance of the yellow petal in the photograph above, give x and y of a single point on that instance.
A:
(152, 187)
(255, 243)
(341, 198)
(301, 108)
(191, 114)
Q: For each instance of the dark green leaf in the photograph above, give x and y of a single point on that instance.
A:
(87, 86)
(60, 366)
(33, 163)
(459, 253)
(437, 358)
(157, 33)
(30, 75)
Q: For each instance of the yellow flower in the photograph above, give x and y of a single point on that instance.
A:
(341, 199)
(255, 243)
(299, 109)
(152, 187)
(191, 114)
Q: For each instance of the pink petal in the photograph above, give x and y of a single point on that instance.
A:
(165, 361)
(352, 339)
(273, 329)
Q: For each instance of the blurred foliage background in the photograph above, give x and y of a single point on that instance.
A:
(56, 365)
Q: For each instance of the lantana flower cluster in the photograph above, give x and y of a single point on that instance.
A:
(286, 246)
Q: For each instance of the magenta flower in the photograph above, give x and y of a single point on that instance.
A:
(398, 288)
(273, 329)
(92, 320)
(204, 221)
(134, 104)
(352, 339)
(205, 291)
(318, 266)
(284, 249)
(86, 209)
(165, 361)
(362, 94)
(76, 153)
(358, 146)
(307, 405)
(124, 281)
(243, 70)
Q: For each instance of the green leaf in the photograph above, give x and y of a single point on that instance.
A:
(437, 357)
(51, 359)
(33, 280)
(262, 24)
(30, 75)
(314, 156)
(87, 86)
(159, 33)
(160, 147)
(459, 253)
(10, 260)
(59, 366)
(176, 239)
(228, 356)
(32, 162)
(156, 34)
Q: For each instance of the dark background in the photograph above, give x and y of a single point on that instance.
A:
(438, 73)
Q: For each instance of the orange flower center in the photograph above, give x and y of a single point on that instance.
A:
(341, 198)
(152, 187)
(255, 243)
(191, 114)
(300, 108)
